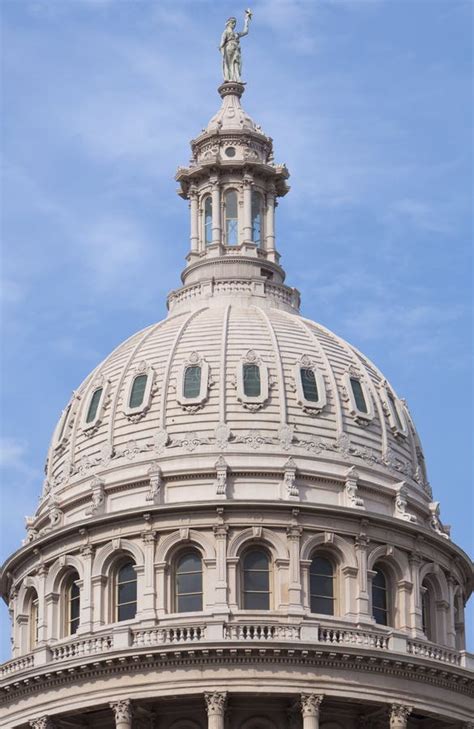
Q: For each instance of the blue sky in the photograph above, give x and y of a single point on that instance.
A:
(369, 104)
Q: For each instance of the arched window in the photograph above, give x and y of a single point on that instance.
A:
(188, 584)
(256, 217)
(73, 604)
(126, 591)
(380, 598)
(208, 220)
(426, 610)
(256, 580)
(137, 392)
(231, 218)
(93, 405)
(309, 384)
(33, 620)
(321, 585)
(251, 380)
(359, 396)
(192, 381)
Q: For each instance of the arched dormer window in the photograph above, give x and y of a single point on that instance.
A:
(358, 396)
(188, 582)
(231, 218)
(125, 591)
(192, 381)
(380, 597)
(256, 217)
(73, 604)
(137, 392)
(208, 220)
(94, 405)
(310, 387)
(394, 410)
(251, 380)
(256, 580)
(321, 585)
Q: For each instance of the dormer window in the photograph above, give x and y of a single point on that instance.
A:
(252, 382)
(208, 220)
(251, 378)
(94, 405)
(92, 414)
(310, 387)
(138, 391)
(358, 397)
(231, 218)
(60, 435)
(193, 382)
(392, 407)
(256, 217)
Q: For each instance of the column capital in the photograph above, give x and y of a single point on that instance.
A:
(399, 714)
(215, 702)
(44, 722)
(122, 710)
(310, 704)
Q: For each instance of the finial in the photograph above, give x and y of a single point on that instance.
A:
(230, 48)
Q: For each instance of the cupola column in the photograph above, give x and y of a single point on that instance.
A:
(215, 705)
(193, 205)
(122, 713)
(270, 224)
(247, 228)
(216, 211)
(310, 704)
(399, 716)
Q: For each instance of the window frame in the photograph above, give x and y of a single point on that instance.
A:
(206, 197)
(33, 620)
(123, 562)
(144, 368)
(312, 407)
(359, 415)
(194, 360)
(249, 402)
(256, 548)
(183, 552)
(258, 242)
(335, 583)
(224, 217)
(71, 579)
(100, 382)
(389, 595)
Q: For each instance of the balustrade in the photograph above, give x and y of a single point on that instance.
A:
(434, 652)
(84, 647)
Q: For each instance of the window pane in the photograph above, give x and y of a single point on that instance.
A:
(256, 559)
(231, 221)
(127, 611)
(379, 580)
(189, 603)
(190, 562)
(256, 601)
(308, 381)
(138, 391)
(256, 581)
(251, 376)
(94, 404)
(321, 586)
(127, 592)
(192, 381)
(256, 217)
(189, 583)
(127, 573)
(380, 616)
(358, 395)
(379, 598)
(323, 605)
(321, 566)
(208, 220)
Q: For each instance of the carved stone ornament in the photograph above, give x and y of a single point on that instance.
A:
(310, 704)
(135, 414)
(91, 428)
(399, 716)
(351, 490)
(193, 404)
(55, 514)
(435, 521)
(311, 407)
(31, 532)
(286, 435)
(155, 475)
(222, 435)
(122, 710)
(215, 702)
(160, 440)
(98, 497)
(401, 503)
(254, 439)
(290, 489)
(221, 472)
(44, 722)
(253, 403)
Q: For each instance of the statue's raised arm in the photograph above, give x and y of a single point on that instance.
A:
(230, 48)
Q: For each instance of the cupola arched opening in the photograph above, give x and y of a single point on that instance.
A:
(231, 218)
(257, 217)
(207, 221)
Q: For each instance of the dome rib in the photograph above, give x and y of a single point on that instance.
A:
(278, 367)
(223, 366)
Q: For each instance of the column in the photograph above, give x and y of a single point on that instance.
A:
(122, 713)
(44, 722)
(193, 205)
(361, 544)
(310, 704)
(293, 535)
(270, 223)
(216, 211)
(215, 705)
(399, 716)
(247, 227)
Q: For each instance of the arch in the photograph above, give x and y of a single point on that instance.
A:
(437, 579)
(29, 583)
(339, 547)
(258, 535)
(166, 548)
(60, 568)
(112, 551)
(395, 560)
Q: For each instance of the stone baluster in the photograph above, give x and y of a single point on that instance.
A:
(399, 716)
(215, 705)
(44, 722)
(310, 704)
(122, 713)
(216, 212)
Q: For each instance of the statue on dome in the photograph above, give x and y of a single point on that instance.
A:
(230, 48)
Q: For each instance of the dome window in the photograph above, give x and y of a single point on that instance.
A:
(208, 220)
(126, 592)
(252, 382)
(310, 387)
(92, 414)
(231, 218)
(188, 593)
(256, 580)
(321, 586)
(138, 391)
(393, 410)
(193, 382)
(94, 405)
(360, 403)
(256, 217)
